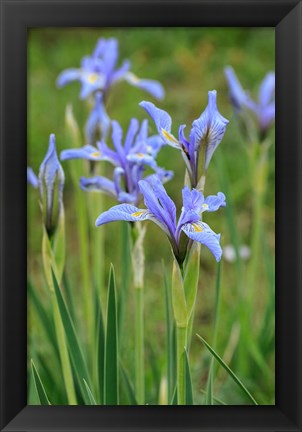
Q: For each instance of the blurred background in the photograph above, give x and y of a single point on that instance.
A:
(188, 62)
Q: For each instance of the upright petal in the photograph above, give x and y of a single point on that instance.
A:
(202, 233)
(162, 122)
(98, 122)
(209, 129)
(192, 200)
(132, 131)
(159, 203)
(120, 73)
(267, 90)
(238, 97)
(32, 179)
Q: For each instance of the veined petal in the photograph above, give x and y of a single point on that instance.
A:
(124, 212)
(151, 86)
(98, 184)
(192, 200)
(159, 203)
(68, 75)
(214, 202)
(32, 179)
(202, 233)
(87, 152)
(162, 122)
(209, 128)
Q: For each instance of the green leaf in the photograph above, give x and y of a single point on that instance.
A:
(128, 386)
(169, 333)
(192, 276)
(229, 371)
(43, 314)
(174, 396)
(188, 380)
(74, 348)
(178, 296)
(41, 393)
(125, 260)
(215, 399)
(100, 351)
(111, 377)
(89, 394)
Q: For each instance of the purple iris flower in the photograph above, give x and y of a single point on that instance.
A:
(162, 210)
(129, 158)
(263, 109)
(98, 123)
(51, 183)
(32, 179)
(206, 134)
(99, 72)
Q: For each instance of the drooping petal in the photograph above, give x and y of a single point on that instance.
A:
(87, 152)
(214, 202)
(267, 90)
(108, 154)
(68, 75)
(98, 121)
(32, 179)
(202, 233)
(98, 184)
(162, 122)
(209, 129)
(124, 212)
(151, 86)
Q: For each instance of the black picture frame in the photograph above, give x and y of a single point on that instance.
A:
(16, 18)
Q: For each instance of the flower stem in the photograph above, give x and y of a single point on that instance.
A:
(139, 346)
(181, 335)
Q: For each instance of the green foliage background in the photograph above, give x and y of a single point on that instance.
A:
(188, 62)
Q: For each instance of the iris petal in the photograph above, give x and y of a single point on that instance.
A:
(202, 233)
(124, 212)
(87, 152)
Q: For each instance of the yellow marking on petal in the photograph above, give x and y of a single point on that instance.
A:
(205, 206)
(197, 228)
(140, 155)
(169, 136)
(133, 78)
(96, 154)
(92, 78)
(137, 214)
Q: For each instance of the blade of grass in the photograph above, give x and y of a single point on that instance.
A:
(125, 260)
(229, 370)
(128, 386)
(41, 393)
(210, 383)
(89, 394)
(111, 376)
(72, 341)
(189, 389)
(100, 353)
(215, 399)
(174, 396)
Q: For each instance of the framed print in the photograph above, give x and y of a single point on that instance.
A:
(150, 264)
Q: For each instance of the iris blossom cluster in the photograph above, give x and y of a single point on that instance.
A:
(129, 158)
(162, 210)
(206, 133)
(99, 72)
(263, 109)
